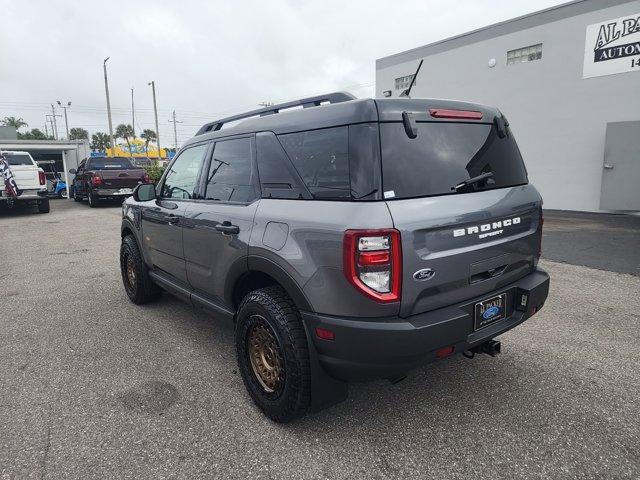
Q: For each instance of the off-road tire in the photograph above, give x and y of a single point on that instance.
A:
(43, 206)
(141, 290)
(92, 199)
(274, 306)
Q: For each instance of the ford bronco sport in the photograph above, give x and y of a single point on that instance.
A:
(347, 239)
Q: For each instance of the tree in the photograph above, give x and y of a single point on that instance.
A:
(34, 134)
(14, 122)
(78, 134)
(100, 141)
(148, 136)
(125, 132)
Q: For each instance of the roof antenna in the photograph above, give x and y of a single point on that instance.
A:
(406, 92)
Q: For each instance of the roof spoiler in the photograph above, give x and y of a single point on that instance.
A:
(335, 97)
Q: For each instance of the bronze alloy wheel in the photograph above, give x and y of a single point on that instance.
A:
(131, 272)
(264, 354)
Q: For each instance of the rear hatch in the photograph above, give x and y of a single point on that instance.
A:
(458, 243)
(24, 170)
(117, 172)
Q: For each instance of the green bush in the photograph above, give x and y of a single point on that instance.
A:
(155, 171)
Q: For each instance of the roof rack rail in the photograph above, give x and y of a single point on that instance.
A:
(334, 97)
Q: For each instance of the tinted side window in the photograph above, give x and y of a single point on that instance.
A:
(229, 177)
(278, 178)
(181, 178)
(364, 161)
(321, 158)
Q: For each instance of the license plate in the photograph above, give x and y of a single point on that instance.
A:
(490, 311)
(125, 191)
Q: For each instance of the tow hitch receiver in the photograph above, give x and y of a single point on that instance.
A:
(490, 347)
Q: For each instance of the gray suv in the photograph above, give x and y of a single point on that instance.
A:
(347, 239)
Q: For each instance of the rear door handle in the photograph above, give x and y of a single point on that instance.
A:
(173, 219)
(226, 227)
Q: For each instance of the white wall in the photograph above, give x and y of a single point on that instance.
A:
(559, 118)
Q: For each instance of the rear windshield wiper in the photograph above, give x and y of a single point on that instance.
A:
(479, 178)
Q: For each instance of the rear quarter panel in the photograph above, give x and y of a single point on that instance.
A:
(305, 238)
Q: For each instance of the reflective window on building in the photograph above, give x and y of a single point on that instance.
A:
(525, 54)
(403, 83)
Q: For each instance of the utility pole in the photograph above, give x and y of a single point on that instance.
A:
(50, 120)
(133, 116)
(106, 88)
(55, 124)
(175, 131)
(155, 111)
(66, 120)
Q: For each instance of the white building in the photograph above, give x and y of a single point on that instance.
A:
(568, 80)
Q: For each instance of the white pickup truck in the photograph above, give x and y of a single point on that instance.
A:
(30, 179)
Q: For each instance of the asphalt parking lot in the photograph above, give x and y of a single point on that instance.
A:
(96, 387)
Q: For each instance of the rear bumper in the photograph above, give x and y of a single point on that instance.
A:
(113, 192)
(26, 196)
(367, 349)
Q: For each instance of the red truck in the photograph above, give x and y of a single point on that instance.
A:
(106, 178)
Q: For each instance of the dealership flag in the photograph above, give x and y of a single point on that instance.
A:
(10, 185)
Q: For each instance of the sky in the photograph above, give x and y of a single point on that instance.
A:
(209, 58)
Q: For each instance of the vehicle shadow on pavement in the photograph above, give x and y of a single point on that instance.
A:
(19, 210)
(448, 394)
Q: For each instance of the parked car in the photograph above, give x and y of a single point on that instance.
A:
(353, 240)
(30, 180)
(106, 178)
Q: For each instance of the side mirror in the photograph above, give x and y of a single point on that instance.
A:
(144, 192)
(72, 171)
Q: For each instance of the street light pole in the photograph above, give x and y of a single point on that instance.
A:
(155, 111)
(66, 120)
(106, 88)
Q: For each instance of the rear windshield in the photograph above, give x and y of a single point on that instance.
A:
(109, 164)
(445, 154)
(17, 159)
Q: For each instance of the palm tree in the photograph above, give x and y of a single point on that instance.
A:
(100, 141)
(14, 122)
(125, 132)
(148, 136)
(78, 134)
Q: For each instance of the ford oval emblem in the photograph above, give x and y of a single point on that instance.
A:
(490, 312)
(424, 274)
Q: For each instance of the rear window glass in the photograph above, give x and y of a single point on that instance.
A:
(321, 157)
(109, 164)
(445, 154)
(14, 159)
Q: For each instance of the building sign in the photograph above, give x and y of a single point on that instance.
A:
(612, 47)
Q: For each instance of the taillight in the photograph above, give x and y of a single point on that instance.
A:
(41, 178)
(96, 180)
(146, 178)
(373, 262)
